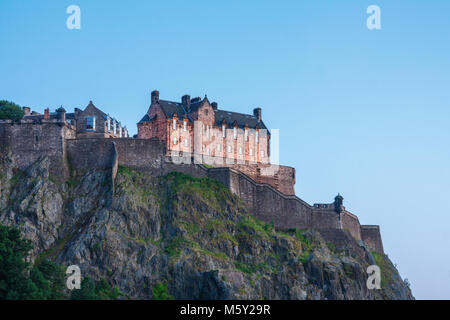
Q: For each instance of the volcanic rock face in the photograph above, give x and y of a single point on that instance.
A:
(191, 235)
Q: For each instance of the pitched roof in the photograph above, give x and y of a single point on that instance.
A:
(171, 107)
(240, 118)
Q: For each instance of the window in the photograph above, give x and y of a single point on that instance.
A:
(120, 131)
(229, 149)
(240, 150)
(219, 147)
(235, 133)
(90, 123)
(108, 124)
(184, 125)
(223, 131)
(251, 152)
(175, 140)
(246, 135)
(114, 126)
(186, 142)
(174, 122)
(257, 136)
(262, 153)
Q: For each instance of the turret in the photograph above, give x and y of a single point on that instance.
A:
(61, 114)
(338, 203)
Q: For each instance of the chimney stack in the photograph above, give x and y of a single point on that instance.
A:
(26, 111)
(47, 113)
(257, 113)
(155, 96)
(186, 102)
(214, 105)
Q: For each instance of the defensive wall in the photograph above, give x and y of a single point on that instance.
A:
(67, 154)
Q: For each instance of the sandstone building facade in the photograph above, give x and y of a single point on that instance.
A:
(197, 126)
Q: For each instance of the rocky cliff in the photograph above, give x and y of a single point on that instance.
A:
(188, 237)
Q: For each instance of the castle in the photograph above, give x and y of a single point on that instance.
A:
(192, 136)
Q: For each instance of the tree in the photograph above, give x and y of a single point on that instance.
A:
(14, 281)
(18, 279)
(90, 290)
(10, 110)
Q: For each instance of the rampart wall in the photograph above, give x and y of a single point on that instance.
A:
(371, 236)
(263, 200)
(28, 140)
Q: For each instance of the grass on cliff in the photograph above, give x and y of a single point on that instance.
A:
(211, 221)
(387, 270)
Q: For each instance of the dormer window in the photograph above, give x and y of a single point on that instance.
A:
(108, 124)
(90, 123)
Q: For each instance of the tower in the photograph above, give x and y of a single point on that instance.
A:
(338, 203)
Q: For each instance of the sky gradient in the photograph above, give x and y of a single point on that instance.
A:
(364, 113)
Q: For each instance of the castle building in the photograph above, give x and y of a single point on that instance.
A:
(196, 126)
(88, 123)
(89, 138)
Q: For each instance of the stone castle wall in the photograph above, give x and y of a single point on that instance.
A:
(371, 236)
(263, 200)
(28, 140)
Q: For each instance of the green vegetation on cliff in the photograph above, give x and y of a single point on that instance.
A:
(172, 236)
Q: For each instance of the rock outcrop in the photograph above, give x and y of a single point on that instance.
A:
(190, 235)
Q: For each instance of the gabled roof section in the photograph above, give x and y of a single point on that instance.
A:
(240, 118)
(170, 107)
(147, 118)
(91, 108)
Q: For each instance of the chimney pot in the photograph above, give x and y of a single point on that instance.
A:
(47, 113)
(214, 105)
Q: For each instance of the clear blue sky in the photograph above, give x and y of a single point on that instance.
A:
(364, 113)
